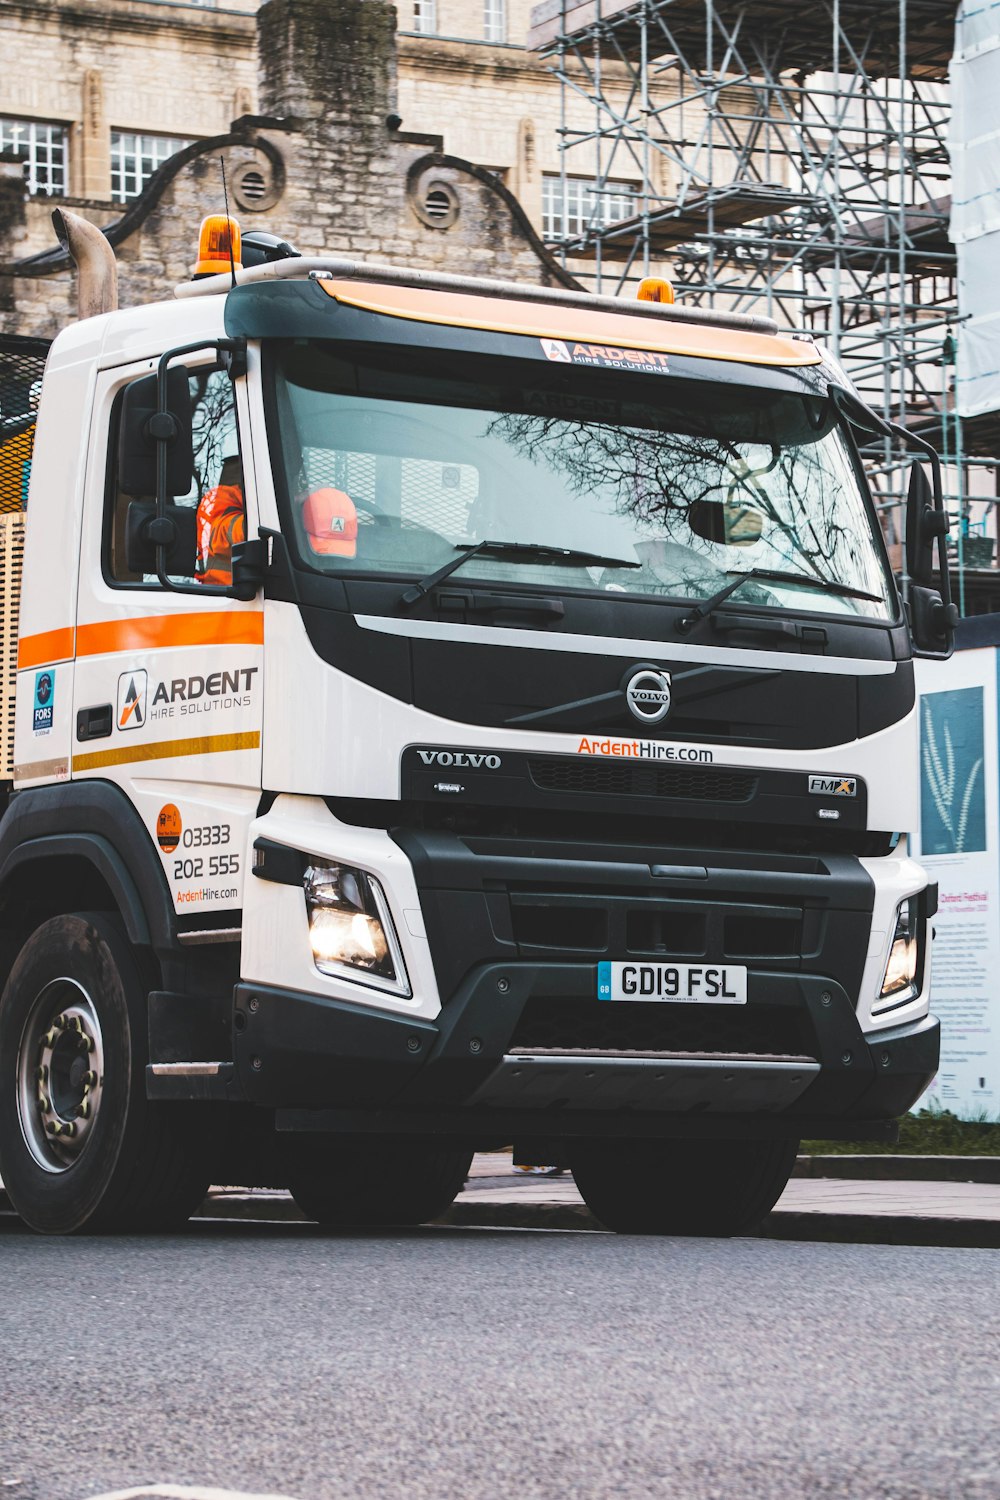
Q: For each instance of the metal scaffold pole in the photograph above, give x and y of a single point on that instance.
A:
(778, 158)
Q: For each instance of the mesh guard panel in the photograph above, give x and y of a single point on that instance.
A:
(21, 364)
(11, 562)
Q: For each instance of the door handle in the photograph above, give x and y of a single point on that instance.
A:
(94, 723)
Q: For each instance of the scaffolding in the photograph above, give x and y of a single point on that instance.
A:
(786, 158)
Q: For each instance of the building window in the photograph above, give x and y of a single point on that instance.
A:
(495, 20)
(425, 15)
(570, 208)
(134, 159)
(42, 148)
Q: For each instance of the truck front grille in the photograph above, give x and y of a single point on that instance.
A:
(617, 926)
(620, 778)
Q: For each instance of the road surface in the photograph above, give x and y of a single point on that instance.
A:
(458, 1364)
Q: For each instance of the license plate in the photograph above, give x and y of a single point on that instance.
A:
(679, 984)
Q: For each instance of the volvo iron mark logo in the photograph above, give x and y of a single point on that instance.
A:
(647, 694)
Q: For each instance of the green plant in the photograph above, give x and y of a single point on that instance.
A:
(932, 1131)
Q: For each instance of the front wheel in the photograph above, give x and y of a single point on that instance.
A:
(682, 1187)
(352, 1183)
(81, 1148)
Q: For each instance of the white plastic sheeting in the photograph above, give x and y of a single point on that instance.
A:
(975, 215)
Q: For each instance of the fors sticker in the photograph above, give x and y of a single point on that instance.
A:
(45, 698)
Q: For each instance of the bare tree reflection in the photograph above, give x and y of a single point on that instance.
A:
(656, 478)
(213, 420)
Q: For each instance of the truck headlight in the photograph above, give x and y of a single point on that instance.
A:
(901, 978)
(350, 928)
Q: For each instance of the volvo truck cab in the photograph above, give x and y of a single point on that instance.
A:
(532, 763)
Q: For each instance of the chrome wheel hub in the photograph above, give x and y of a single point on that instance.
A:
(60, 1075)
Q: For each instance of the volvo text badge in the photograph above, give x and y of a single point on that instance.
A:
(647, 694)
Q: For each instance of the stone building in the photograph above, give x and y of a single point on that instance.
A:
(320, 157)
(104, 93)
(104, 90)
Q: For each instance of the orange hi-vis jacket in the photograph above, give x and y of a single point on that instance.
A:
(221, 522)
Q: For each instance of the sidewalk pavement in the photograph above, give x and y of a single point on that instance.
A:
(850, 1210)
(874, 1200)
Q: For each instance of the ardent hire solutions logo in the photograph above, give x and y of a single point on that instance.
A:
(132, 699)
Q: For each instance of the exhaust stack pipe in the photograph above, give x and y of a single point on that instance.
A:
(97, 289)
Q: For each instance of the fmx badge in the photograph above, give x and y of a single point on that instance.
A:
(132, 699)
(168, 828)
(45, 697)
(833, 786)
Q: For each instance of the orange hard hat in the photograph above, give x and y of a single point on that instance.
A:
(331, 522)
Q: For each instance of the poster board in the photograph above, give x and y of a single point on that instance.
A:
(959, 845)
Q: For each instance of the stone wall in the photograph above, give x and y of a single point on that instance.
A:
(186, 71)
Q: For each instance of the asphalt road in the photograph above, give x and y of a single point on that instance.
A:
(477, 1363)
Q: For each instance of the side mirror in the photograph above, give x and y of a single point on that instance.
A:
(926, 524)
(932, 615)
(138, 432)
(176, 531)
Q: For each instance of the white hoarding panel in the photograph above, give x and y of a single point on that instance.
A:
(975, 214)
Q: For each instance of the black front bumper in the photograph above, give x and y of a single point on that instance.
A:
(793, 1062)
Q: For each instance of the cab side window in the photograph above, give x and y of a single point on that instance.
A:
(211, 517)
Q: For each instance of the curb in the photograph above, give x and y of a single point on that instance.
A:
(886, 1168)
(521, 1216)
(881, 1229)
(783, 1224)
(283, 1209)
(813, 1226)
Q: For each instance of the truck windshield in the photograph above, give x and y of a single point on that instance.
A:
(674, 487)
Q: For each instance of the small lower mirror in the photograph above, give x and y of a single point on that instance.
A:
(932, 621)
(140, 547)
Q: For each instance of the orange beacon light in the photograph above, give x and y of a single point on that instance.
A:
(655, 289)
(217, 237)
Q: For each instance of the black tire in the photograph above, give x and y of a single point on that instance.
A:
(81, 1148)
(353, 1183)
(682, 1187)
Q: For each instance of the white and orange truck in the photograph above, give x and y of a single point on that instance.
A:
(449, 713)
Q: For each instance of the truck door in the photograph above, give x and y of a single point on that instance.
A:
(168, 699)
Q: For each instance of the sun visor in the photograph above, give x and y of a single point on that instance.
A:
(368, 312)
(586, 334)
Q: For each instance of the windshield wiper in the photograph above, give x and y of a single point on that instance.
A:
(708, 606)
(510, 549)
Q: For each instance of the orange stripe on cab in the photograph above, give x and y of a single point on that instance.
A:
(49, 646)
(144, 633)
(153, 632)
